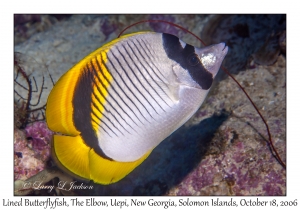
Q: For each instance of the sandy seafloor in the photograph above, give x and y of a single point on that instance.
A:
(222, 149)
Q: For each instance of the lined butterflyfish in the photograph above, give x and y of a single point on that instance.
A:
(112, 108)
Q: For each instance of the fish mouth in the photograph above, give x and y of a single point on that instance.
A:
(225, 48)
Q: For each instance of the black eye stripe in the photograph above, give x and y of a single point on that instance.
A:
(181, 55)
(193, 59)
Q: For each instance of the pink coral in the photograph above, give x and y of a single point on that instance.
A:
(30, 156)
(40, 137)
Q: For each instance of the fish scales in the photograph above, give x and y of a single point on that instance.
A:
(118, 103)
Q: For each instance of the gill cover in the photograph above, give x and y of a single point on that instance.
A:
(118, 103)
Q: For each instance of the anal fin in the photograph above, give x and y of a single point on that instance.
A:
(105, 171)
(72, 154)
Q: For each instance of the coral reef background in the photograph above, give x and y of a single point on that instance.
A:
(222, 150)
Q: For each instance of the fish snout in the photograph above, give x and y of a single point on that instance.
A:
(212, 56)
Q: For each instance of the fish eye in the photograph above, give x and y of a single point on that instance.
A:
(193, 59)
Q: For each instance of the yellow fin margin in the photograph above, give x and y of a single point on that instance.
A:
(109, 44)
(74, 155)
(59, 110)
